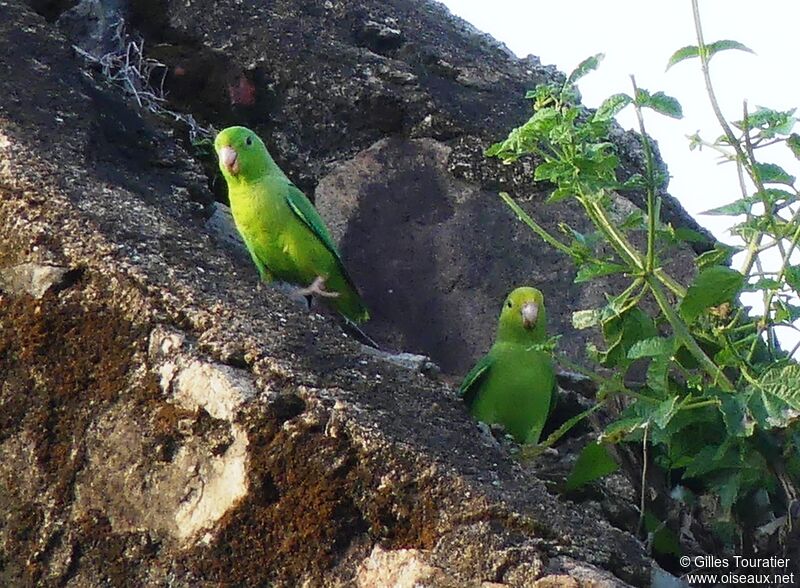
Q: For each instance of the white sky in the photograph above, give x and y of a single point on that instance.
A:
(638, 37)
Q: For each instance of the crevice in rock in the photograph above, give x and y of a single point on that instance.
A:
(52, 9)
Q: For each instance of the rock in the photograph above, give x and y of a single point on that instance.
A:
(427, 92)
(96, 25)
(381, 112)
(32, 278)
(442, 253)
(575, 573)
(410, 361)
(221, 225)
(163, 421)
(400, 568)
(379, 37)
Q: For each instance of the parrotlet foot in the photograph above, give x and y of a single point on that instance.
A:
(317, 288)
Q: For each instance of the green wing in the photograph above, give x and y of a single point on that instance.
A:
(305, 211)
(472, 382)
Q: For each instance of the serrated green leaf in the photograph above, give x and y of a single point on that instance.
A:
(792, 276)
(735, 414)
(683, 53)
(728, 490)
(786, 312)
(619, 429)
(635, 182)
(611, 106)
(762, 284)
(634, 220)
(776, 196)
(622, 331)
(768, 122)
(769, 411)
(663, 104)
(597, 269)
(793, 143)
(552, 171)
(775, 399)
(583, 319)
(711, 49)
(720, 255)
(587, 65)
(658, 374)
(711, 287)
(690, 236)
(664, 412)
(710, 459)
(726, 45)
(771, 173)
(735, 208)
(543, 94)
(593, 463)
(664, 540)
(651, 347)
(560, 194)
(494, 149)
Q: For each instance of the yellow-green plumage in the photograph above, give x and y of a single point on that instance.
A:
(514, 384)
(282, 230)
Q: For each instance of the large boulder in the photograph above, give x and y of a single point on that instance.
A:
(163, 421)
(381, 112)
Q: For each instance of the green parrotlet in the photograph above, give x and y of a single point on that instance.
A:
(283, 232)
(514, 384)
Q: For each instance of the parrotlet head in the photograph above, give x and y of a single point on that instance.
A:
(242, 155)
(523, 317)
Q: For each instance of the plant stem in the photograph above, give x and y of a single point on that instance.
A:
(784, 265)
(682, 333)
(702, 50)
(563, 429)
(653, 205)
(741, 156)
(536, 227)
(701, 404)
(606, 383)
(643, 494)
(623, 247)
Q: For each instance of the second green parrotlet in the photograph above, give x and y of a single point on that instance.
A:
(283, 232)
(514, 384)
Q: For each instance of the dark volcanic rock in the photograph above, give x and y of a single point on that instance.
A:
(420, 224)
(162, 421)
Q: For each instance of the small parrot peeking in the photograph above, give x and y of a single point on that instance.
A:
(514, 384)
(283, 232)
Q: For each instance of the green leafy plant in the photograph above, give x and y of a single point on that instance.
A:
(719, 404)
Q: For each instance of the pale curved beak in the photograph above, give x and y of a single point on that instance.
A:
(229, 159)
(530, 312)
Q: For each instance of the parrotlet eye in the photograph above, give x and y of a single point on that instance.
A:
(509, 304)
(249, 141)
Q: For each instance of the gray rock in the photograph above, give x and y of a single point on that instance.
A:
(31, 278)
(410, 361)
(97, 26)
(163, 422)
(381, 111)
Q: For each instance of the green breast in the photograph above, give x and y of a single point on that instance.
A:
(274, 235)
(517, 391)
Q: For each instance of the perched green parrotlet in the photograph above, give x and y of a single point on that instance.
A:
(514, 384)
(283, 232)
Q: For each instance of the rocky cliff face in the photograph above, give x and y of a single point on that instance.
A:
(381, 112)
(165, 422)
